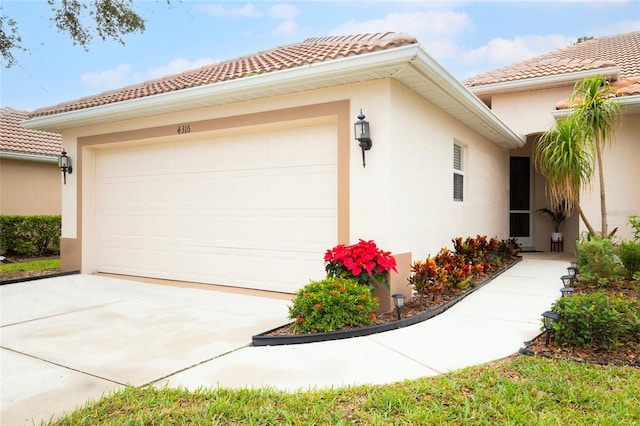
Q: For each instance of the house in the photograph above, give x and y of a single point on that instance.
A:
(29, 173)
(531, 94)
(243, 173)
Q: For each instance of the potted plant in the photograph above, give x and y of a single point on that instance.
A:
(558, 217)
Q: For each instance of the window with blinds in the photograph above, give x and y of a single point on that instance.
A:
(458, 173)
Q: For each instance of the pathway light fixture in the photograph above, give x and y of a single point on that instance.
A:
(398, 302)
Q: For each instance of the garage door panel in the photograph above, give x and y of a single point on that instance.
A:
(252, 210)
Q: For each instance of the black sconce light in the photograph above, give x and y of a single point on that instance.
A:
(64, 163)
(549, 318)
(398, 302)
(566, 291)
(567, 280)
(361, 130)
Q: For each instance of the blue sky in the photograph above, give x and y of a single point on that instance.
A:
(466, 37)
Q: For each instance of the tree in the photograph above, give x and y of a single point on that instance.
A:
(596, 112)
(110, 19)
(565, 155)
(566, 162)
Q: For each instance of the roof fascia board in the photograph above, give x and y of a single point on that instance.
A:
(460, 94)
(309, 74)
(10, 155)
(197, 96)
(542, 82)
(629, 104)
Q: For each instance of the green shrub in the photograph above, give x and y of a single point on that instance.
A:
(30, 235)
(332, 304)
(634, 221)
(597, 320)
(629, 253)
(597, 262)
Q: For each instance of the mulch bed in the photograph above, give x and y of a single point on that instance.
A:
(412, 306)
(623, 355)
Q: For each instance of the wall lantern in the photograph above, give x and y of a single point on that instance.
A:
(398, 302)
(567, 280)
(549, 318)
(361, 130)
(566, 291)
(64, 163)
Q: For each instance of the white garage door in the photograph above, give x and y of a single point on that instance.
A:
(253, 210)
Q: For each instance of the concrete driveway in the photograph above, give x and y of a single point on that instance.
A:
(69, 339)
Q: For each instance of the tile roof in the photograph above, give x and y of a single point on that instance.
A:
(15, 138)
(621, 50)
(310, 51)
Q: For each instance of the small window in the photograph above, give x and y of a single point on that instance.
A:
(458, 173)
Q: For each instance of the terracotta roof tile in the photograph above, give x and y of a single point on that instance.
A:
(310, 51)
(620, 50)
(15, 138)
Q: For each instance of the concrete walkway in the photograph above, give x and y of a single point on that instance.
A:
(69, 339)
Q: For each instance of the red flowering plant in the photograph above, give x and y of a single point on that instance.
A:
(363, 262)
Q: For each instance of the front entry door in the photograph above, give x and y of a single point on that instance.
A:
(520, 217)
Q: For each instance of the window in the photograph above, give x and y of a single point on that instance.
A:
(458, 172)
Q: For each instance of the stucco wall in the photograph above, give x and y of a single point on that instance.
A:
(402, 199)
(622, 181)
(29, 187)
(530, 113)
(424, 215)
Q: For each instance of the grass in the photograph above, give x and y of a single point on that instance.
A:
(520, 390)
(29, 266)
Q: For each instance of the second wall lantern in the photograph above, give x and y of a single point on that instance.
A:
(64, 162)
(361, 130)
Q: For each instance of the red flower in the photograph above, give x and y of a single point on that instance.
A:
(373, 316)
(318, 305)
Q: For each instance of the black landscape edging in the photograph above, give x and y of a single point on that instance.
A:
(263, 339)
(38, 277)
(528, 352)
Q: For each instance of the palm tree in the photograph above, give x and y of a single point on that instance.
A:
(564, 159)
(596, 112)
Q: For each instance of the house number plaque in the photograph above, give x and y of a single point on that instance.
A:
(184, 129)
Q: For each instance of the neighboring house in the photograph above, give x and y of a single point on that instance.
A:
(245, 172)
(29, 174)
(531, 94)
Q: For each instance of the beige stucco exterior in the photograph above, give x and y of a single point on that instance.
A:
(530, 113)
(29, 187)
(402, 199)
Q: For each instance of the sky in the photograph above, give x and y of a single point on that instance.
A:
(466, 37)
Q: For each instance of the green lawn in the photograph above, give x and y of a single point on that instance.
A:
(521, 390)
(29, 266)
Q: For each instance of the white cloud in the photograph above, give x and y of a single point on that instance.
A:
(436, 30)
(108, 79)
(178, 65)
(246, 11)
(123, 74)
(284, 11)
(499, 51)
(286, 28)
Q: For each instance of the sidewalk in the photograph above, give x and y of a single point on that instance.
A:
(69, 339)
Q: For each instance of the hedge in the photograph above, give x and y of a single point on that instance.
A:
(30, 235)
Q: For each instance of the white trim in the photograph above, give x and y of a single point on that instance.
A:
(387, 63)
(542, 82)
(629, 104)
(29, 157)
